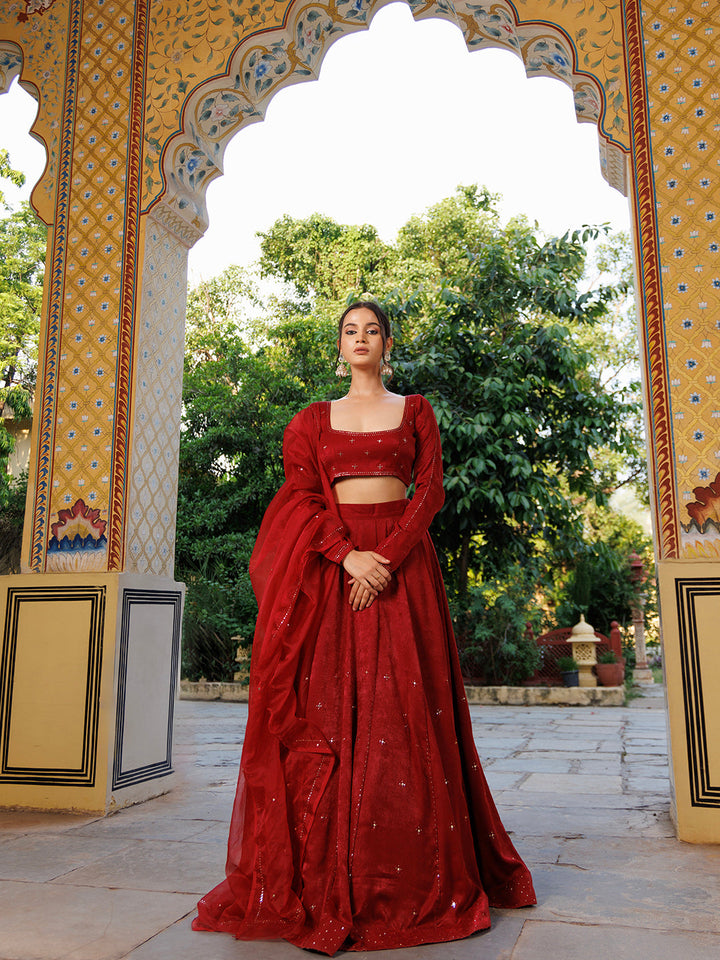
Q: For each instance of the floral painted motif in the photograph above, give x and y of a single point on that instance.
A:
(41, 38)
(492, 23)
(192, 167)
(190, 42)
(223, 111)
(706, 507)
(312, 32)
(587, 102)
(78, 540)
(78, 527)
(34, 6)
(263, 67)
(10, 63)
(354, 9)
(680, 44)
(548, 56)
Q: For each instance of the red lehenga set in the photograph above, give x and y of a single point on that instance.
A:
(362, 818)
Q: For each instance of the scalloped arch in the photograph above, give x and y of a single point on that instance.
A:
(43, 128)
(216, 108)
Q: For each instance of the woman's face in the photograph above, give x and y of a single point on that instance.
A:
(361, 342)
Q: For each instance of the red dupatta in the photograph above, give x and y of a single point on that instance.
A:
(300, 528)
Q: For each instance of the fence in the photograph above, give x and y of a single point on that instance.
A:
(556, 644)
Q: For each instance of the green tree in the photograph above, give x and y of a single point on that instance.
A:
(23, 241)
(322, 259)
(496, 347)
(244, 380)
(22, 268)
(597, 581)
(489, 321)
(612, 346)
(7, 172)
(12, 490)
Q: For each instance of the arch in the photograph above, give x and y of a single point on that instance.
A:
(217, 107)
(33, 50)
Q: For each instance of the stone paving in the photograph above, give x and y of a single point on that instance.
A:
(583, 790)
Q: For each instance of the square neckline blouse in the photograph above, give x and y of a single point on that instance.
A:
(369, 453)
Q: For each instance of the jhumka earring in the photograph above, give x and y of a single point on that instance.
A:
(386, 369)
(341, 370)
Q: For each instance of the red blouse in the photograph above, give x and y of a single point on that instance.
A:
(376, 453)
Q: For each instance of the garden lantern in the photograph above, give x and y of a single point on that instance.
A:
(584, 650)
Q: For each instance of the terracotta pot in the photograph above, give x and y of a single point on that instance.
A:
(610, 674)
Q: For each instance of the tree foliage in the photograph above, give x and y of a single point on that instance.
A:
(497, 348)
(494, 323)
(23, 241)
(22, 268)
(8, 172)
(322, 259)
(244, 380)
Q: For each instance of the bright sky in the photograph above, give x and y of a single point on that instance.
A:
(400, 116)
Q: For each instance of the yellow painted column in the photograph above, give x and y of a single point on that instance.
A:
(91, 628)
(673, 69)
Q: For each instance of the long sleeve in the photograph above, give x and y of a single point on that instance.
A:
(429, 494)
(302, 474)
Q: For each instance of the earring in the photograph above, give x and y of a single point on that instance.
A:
(386, 369)
(341, 370)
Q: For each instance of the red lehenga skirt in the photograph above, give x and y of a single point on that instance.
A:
(391, 837)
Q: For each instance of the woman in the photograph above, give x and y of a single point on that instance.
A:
(362, 818)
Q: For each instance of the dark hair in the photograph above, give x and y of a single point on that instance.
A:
(385, 331)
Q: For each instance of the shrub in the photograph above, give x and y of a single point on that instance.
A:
(219, 606)
(494, 642)
(12, 510)
(607, 656)
(567, 664)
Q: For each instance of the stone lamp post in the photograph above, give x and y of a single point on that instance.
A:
(584, 648)
(642, 674)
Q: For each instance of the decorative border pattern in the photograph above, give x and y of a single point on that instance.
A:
(83, 776)
(56, 290)
(124, 369)
(660, 435)
(162, 768)
(703, 793)
(152, 477)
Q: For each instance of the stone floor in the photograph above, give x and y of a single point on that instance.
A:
(584, 792)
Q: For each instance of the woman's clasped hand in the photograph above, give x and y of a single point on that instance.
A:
(368, 576)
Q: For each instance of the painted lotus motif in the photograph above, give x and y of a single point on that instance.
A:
(700, 538)
(706, 508)
(79, 528)
(78, 543)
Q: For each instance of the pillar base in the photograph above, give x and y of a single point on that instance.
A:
(643, 675)
(88, 682)
(586, 678)
(690, 604)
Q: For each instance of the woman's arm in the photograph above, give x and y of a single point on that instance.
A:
(303, 476)
(429, 495)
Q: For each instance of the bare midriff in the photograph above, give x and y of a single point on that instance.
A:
(369, 489)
